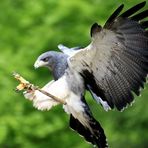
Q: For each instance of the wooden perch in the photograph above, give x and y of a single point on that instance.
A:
(26, 85)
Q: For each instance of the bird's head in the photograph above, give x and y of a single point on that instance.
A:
(46, 59)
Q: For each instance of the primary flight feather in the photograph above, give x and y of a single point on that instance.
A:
(112, 67)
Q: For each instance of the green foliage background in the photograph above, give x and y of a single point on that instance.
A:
(28, 28)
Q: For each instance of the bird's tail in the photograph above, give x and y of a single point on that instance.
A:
(96, 135)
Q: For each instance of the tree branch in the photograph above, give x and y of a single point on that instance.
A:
(26, 85)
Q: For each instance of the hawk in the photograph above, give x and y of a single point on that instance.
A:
(112, 67)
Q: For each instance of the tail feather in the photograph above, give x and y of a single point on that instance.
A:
(96, 135)
(77, 126)
(97, 138)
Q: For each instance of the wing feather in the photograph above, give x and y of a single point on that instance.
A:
(144, 24)
(132, 10)
(114, 65)
(140, 16)
(113, 16)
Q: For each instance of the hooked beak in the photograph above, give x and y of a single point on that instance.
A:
(38, 64)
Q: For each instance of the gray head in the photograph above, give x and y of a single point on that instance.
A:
(49, 59)
(55, 61)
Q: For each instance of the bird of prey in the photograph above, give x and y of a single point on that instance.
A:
(112, 67)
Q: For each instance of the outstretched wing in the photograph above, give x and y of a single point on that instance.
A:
(115, 64)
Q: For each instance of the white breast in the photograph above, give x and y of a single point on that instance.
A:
(75, 107)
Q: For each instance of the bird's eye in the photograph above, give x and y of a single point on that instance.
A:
(46, 59)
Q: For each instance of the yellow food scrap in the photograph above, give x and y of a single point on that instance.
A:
(24, 84)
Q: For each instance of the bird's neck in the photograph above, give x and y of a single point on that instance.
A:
(59, 68)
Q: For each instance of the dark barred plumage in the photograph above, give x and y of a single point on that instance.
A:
(129, 63)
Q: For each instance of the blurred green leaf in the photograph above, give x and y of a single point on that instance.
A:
(29, 28)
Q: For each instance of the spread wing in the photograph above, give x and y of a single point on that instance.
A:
(115, 64)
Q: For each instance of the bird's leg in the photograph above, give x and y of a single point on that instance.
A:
(26, 85)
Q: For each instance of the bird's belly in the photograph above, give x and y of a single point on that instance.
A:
(75, 106)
